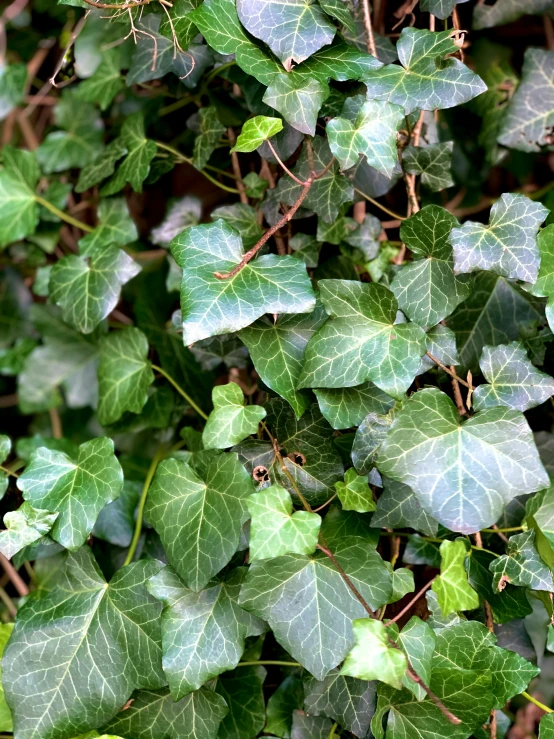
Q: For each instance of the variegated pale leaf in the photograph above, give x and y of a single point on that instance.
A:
(23, 527)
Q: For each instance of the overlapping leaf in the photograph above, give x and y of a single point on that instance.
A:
(23, 527)
(453, 591)
(432, 163)
(135, 167)
(347, 700)
(18, 209)
(257, 130)
(297, 98)
(231, 420)
(522, 565)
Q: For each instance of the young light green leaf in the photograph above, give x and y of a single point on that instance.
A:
(76, 489)
(23, 527)
(427, 289)
(453, 591)
(210, 131)
(544, 286)
(508, 245)
(18, 181)
(87, 287)
(323, 636)
(135, 167)
(372, 133)
(106, 82)
(430, 77)
(522, 565)
(432, 163)
(478, 465)
(255, 131)
(354, 493)
(514, 381)
(202, 633)
(297, 99)
(212, 306)
(399, 507)
(348, 406)
(373, 657)
(292, 30)
(86, 683)
(361, 342)
(199, 516)
(231, 420)
(275, 530)
(124, 374)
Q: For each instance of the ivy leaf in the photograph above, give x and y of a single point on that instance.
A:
(288, 696)
(80, 139)
(440, 8)
(153, 714)
(546, 727)
(116, 521)
(441, 343)
(372, 657)
(278, 589)
(23, 527)
(348, 406)
(514, 381)
(491, 314)
(427, 289)
(398, 507)
(87, 287)
(277, 350)
(293, 31)
(76, 489)
(243, 693)
(106, 82)
(429, 77)
(210, 131)
(339, 62)
(506, 11)
(371, 133)
(243, 218)
(544, 286)
(508, 245)
(87, 683)
(124, 374)
(346, 700)
(458, 491)
(18, 181)
(275, 530)
(210, 306)
(510, 604)
(135, 167)
(13, 78)
(102, 166)
(522, 565)
(367, 440)
(362, 325)
(217, 350)
(199, 515)
(255, 131)
(432, 163)
(327, 194)
(418, 639)
(231, 420)
(454, 593)
(354, 493)
(178, 20)
(116, 226)
(202, 633)
(297, 99)
(305, 726)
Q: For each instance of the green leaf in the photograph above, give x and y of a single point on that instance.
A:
(429, 78)
(506, 11)
(546, 727)
(398, 507)
(354, 493)
(275, 530)
(18, 181)
(277, 350)
(522, 565)
(217, 350)
(124, 374)
(305, 726)
(362, 326)
(432, 163)
(87, 287)
(211, 306)
(106, 82)
(179, 20)
(116, 521)
(348, 701)
(508, 245)
(102, 166)
(511, 603)
(202, 633)
(5, 715)
(348, 406)
(5, 449)
(199, 515)
(13, 78)
(75, 489)
(441, 343)
(231, 420)
(255, 131)
(418, 639)
(427, 289)
(514, 381)
(441, 8)
(278, 589)
(458, 490)
(544, 286)
(255, 185)
(210, 131)
(79, 141)
(135, 167)
(243, 218)
(293, 31)
(154, 714)
(371, 132)
(373, 657)
(243, 693)
(289, 695)
(297, 99)
(116, 226)
(327, 194)
(340, 62)
(106, 643)
(23, 527)
(452, 588)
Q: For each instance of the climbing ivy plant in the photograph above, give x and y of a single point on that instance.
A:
(277, 369)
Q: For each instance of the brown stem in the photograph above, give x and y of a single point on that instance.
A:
(407, 607)
(56, 423)
(436, 700)
(371, 48)
(118, 6)
(268, 234)
(16, 579)
(236, 167)
(283, 165)
(457, 394)
(347, 580)
(448, 371)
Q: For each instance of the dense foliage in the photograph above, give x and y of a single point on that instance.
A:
(276, 414)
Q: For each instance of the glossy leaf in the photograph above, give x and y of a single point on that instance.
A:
(452, 588)
(135, 167)
(354, 493)
(522, 565)
(23, 527)
(231, 420)
(18, 180)
(255, 131)
(373, 657)
(432, 163)
(297, 99)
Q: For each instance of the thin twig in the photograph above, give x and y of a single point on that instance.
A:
(236, 167)
(354, 590)
(370, 40)
(74, 35)
(283, 165)
(457, 394)
(56, 423)
(407, 607)
(17, 581)
(8, 602)
(396, 216)
(180, 390)
(448, 371)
